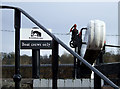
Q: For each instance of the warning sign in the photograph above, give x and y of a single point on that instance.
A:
(35, 39)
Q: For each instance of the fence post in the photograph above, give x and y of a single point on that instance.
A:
(54, 63)
(36, 63)
(17, 23)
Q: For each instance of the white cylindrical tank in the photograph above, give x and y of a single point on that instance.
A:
(95, 34)
(94, 38)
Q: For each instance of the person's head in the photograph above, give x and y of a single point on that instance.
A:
(75, 26)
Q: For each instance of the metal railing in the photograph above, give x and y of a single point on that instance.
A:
(56, 41)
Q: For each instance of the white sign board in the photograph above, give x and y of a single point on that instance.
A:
(34, 34)
(35, 39)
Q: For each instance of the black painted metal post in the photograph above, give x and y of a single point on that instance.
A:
(54, 63)
(97, 79)
(17, 76)
(97, 82)
(74, 71)
(78, 64)
(36, 63)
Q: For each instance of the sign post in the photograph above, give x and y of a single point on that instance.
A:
(35, 63)
(35, 39)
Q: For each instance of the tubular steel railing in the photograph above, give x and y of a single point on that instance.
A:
(56, 41)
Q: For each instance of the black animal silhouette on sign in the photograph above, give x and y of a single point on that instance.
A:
(35, 33)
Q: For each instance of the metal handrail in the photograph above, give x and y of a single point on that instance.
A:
(64, 46)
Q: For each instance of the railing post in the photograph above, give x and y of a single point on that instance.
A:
(97, 82)
(17, 23)
(74, 71)
(97, 79)
(78, 64)
(35, 63)
(54, 63)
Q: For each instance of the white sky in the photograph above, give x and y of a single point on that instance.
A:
(60, 16)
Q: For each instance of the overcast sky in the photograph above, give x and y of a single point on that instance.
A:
(60, 17)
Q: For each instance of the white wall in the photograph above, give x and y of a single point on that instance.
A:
(73, 83)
